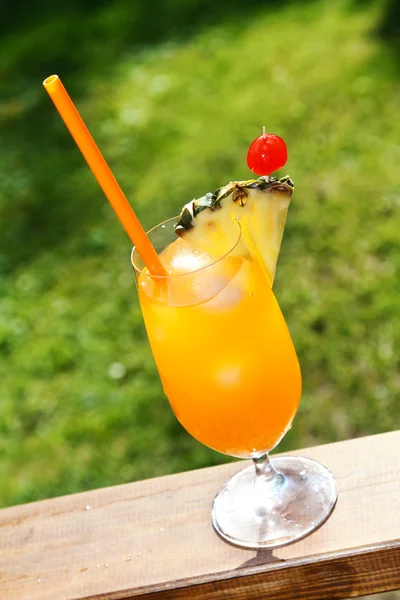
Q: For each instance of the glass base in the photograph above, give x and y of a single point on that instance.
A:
(251, 513)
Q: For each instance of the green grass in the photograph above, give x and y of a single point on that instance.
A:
(174, 120)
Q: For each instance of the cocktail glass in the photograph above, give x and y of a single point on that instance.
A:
(229, 369)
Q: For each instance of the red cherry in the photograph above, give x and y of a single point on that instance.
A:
(267, 154)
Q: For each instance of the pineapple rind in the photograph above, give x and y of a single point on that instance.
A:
(238, 190)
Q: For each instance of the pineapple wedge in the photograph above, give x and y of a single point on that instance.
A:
(259, 205)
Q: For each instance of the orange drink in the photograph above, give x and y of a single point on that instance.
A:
(226, 358)
(219, 339)
(222, 348)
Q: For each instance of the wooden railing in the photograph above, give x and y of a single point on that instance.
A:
(153, 539)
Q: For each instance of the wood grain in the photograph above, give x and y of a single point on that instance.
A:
(339, 576)
(153, 539)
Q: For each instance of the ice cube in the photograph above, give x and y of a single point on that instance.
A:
(229, 375)
(180, 257)
(235, 288)
(195, 277)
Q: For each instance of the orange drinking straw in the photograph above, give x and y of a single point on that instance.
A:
(102, 172)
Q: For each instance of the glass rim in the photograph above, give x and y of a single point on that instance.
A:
(144, 271)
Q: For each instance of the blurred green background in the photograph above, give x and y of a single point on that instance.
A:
(174, 92)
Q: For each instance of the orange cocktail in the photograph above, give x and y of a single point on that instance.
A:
(222, 347)
(219, 339)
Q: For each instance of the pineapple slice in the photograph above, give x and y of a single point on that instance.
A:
(259, 205)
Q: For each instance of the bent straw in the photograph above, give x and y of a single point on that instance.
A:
(102, 172)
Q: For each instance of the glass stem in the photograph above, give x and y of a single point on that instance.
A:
(267, 477)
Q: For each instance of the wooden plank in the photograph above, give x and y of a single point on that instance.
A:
(342, 575)
(153, 539)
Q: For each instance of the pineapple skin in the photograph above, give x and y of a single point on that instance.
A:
(239, 191)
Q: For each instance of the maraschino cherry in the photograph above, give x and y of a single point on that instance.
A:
(267, 154)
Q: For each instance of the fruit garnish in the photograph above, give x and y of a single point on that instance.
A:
(267, 154)
(259, 205)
